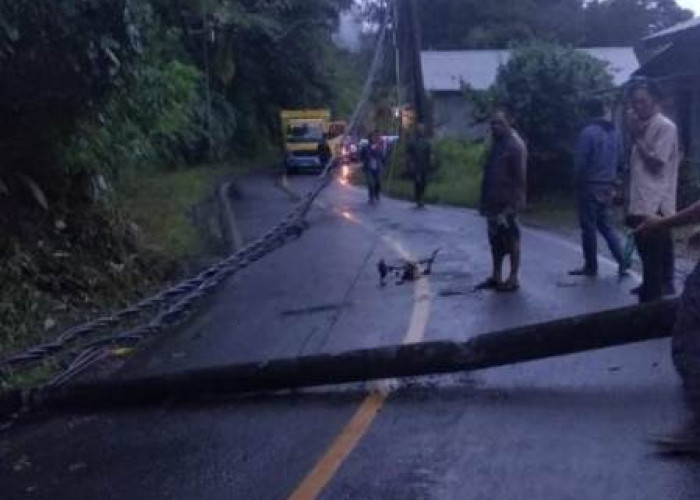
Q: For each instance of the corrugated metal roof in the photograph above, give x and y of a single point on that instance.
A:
(622, 61)
(676, 28)
(450, 70)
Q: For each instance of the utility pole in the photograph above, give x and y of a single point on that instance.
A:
(418, 87)
(409, 41)
(397, 61)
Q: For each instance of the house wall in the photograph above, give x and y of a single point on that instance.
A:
(453, 116)
(684, 109)
(694, 125)
(681, 103)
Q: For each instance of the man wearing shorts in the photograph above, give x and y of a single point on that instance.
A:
(503, 191)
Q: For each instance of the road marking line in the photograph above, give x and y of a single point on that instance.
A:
(343, 445)
(358, 426)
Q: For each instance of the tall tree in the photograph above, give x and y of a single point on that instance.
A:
(499, 23)
(465, 24)
(624, 22)
(266, 55)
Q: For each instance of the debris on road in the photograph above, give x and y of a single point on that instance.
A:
(406, 270)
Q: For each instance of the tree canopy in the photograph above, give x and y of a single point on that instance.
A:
(463, 24)
(105, 85)
(100, 97)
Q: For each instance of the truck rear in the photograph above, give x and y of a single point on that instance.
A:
(308, 145)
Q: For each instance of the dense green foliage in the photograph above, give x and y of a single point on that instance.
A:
(500, 23)
(57, 60)
(111, 86)
(543, 86)
(101, 100)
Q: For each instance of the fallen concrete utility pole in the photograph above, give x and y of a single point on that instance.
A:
(555, 338)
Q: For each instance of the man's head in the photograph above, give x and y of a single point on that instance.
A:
(594, 108)
(375, 137)
(500, 123)
(644, 97)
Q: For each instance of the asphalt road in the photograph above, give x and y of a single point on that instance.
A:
(573, 427)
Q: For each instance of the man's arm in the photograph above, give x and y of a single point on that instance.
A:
(648, 154)
(620, 155)
(686, 217)
(583, 149)
(518, 165)
(657, 151)
(364, 155)
(410, 156)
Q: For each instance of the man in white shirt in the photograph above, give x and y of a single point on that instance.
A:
(653, 185)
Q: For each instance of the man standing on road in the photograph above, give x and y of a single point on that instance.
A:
(653, 184)
(596, 163)
(419, 153)
(372, 157)
(503, 190)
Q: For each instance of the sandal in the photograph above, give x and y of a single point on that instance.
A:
(487, 284)
(680, 446)
(508, 286)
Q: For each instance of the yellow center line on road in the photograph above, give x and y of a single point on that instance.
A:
(358, 426)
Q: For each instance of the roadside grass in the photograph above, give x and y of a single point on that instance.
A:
(455, 180)
(161, 205)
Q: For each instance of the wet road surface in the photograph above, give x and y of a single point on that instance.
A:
(573, 427)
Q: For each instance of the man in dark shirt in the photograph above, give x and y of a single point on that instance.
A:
(372, 157)
(503, 192)
(419, 158)
(596, 163)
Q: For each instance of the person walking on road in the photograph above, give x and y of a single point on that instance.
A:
(653, 183)
(372, 157)
(503, 192)
(419, 154)
(685, 343)
(596, 163)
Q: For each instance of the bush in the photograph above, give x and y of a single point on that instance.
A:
(457, 180)
(543, 85)
(138, 124)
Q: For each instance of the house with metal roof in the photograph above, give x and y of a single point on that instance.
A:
(447, 73)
